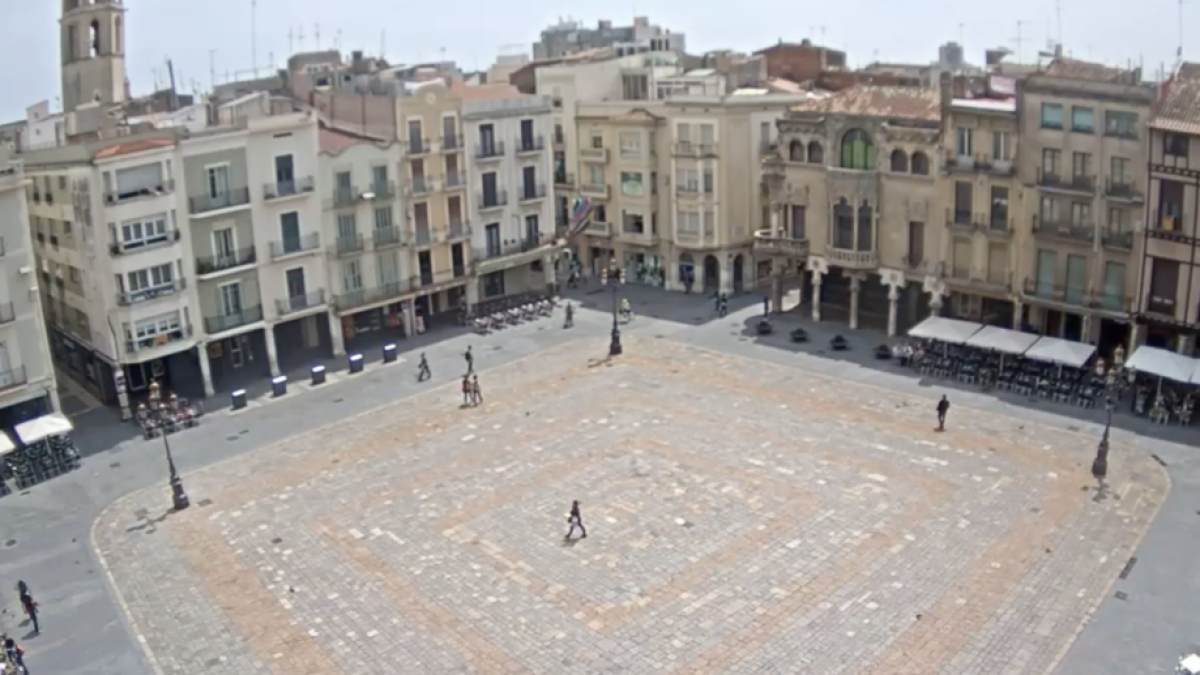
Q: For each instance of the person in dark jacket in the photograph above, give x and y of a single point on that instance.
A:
(943, 407)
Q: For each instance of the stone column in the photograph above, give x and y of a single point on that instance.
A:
(1018, 311)
(726, 282)
(551, 280)
(1184, 344)
(336, 337)
(816, 301)
(1135, 339)
(272, 354)
(935, 303)
(776, 290)
(410, 318)
(205, 369)
(855, 287)
(893, 309)
(473, 290)
(1086, 329)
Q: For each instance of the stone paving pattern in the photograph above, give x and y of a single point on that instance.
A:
(743, 517)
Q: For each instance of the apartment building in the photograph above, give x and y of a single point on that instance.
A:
(571, 37)
(370, 259)
(511, 199)
(981, 225)
(435, 196)
(1083, 142)
(852, 189)
(28, 388)
(1167, 307)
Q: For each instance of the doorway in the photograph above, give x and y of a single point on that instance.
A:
(738, 272)
(712, 274)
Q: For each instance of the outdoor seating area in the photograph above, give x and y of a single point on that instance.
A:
(1053, 369)
(43, 450)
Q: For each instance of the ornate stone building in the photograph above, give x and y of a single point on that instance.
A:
(851, 187)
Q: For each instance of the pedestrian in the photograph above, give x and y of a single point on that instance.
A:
(722, 305)
(476, 393)
(423, 369)
(943, 407)
(470, 359)
(716, 301)
(766, 305)
(575, 520)
(467, 390)
(569, 321)
(30, 605)
(15, 654)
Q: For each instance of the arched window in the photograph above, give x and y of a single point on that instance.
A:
(899, 161)
(94, 38)
(843, 225)
(796, 151)
(866, 221)
(920, 164)
(816, 154)
(858, 152)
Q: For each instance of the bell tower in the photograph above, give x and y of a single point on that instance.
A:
(93, 52)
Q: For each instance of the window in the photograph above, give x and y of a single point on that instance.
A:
(147, 330)
(687, 180)
(710, 223)
(920, 164)
(1081, 167)
(964, 199)
(634, 223)
(415, 135)
(1000, 147)
(1118, 221)
(631, 183)
(1050, 161)
(999, 211)
(764, 135)
(630, 144)
(816, 154)
(138, 233)
(843, 226)
(342, 185)
(796, 151)
(352, 276)
(1048, 211)
(858, 152)
(379, 179)
(708, 181)
(595, 174)
(1047, 272)
(963, 141)
(899, 161)
(797, 222)
(1164, 285)
(1052, 116)
(218, 181)
(916, 243)
(1081, 214)
(865, 239)
(1122, 172)
(1076, 278)
(1083, 120)
(597, 141)
(1120, 124)
(383, 218)
(533, 231)
(347, 230)
(150, 282)
(1175, 145)
(1114, 285)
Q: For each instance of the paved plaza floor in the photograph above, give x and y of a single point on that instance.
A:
(743, 517)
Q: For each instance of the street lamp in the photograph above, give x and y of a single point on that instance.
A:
(613, 276)
(1115, 380)
(163, 414)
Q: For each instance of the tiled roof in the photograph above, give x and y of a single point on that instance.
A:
(1074, 69)
(909, 103)
(1179, 108)
(487, 92)
(135, 146)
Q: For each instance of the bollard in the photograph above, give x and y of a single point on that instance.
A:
(356, 363)
(389, 353)
(318, 375)
(278, 386)
(239, 399)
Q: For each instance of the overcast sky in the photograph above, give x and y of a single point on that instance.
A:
(472, 32)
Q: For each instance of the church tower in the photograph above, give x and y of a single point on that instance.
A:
(93, 52)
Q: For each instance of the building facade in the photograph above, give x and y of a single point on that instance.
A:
(1082, 140)
(511, 199)
(28, 387)
(1168, 288)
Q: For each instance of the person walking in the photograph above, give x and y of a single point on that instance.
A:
(569, 321)
(14, 653)
(30, 605)
(470, 359)
(467, 390)
(722, 306)
(576, 520)
(476, 393)
(423, 369)
(943, 407)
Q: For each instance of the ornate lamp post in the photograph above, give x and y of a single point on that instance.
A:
(1116, 379)
(613, 276)
(162, 414)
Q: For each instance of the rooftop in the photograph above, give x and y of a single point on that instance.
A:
(1074, 69)
(909, 103)
(134, 147)
(1178, 109)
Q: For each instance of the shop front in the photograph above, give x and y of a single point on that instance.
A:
(644, 269)
(378, 324)
(87, 367)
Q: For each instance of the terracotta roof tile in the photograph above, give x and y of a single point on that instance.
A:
(1074, 69)
(908, 103)
(1178, 110)
(135, 146)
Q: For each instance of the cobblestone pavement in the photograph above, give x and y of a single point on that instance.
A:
(743, 518)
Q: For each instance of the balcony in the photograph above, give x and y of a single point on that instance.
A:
(134, 345)
(852, 260)
(345, 196)
(305, 243)
(533, 192)
(488, 150)
(419, 146)
(230, 199)
(452, 143)
(382, 191)
(962, 219)
(531, 145)
(288, 188)
(122, 247)
(642, 236)
(1168, 225)
(1077, 184)
(223, 322)
(365, 296)
(694, 150)
(493, 200)
(1117, 240)
(348, 244)
(213, 264)
(1123, 191)
(459, 231)
(998, 225)
(8, 313)
(419, 186)
(128, 298)
(599, 228)
(299, 303)
(767, 243)
(385, 237)
(456, 181)
(513, 254)
(984, 282)
(1062, 230)
(122, 196)
(428, 282)
(598, 191)
(593, 154)
(564, 180)
(1076, 296)
(956, 163)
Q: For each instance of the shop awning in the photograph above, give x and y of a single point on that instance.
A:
(1002, 340)
(954, 331)
(1163, 363)
(54, 424)
(1065, 352)
(6, 444)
